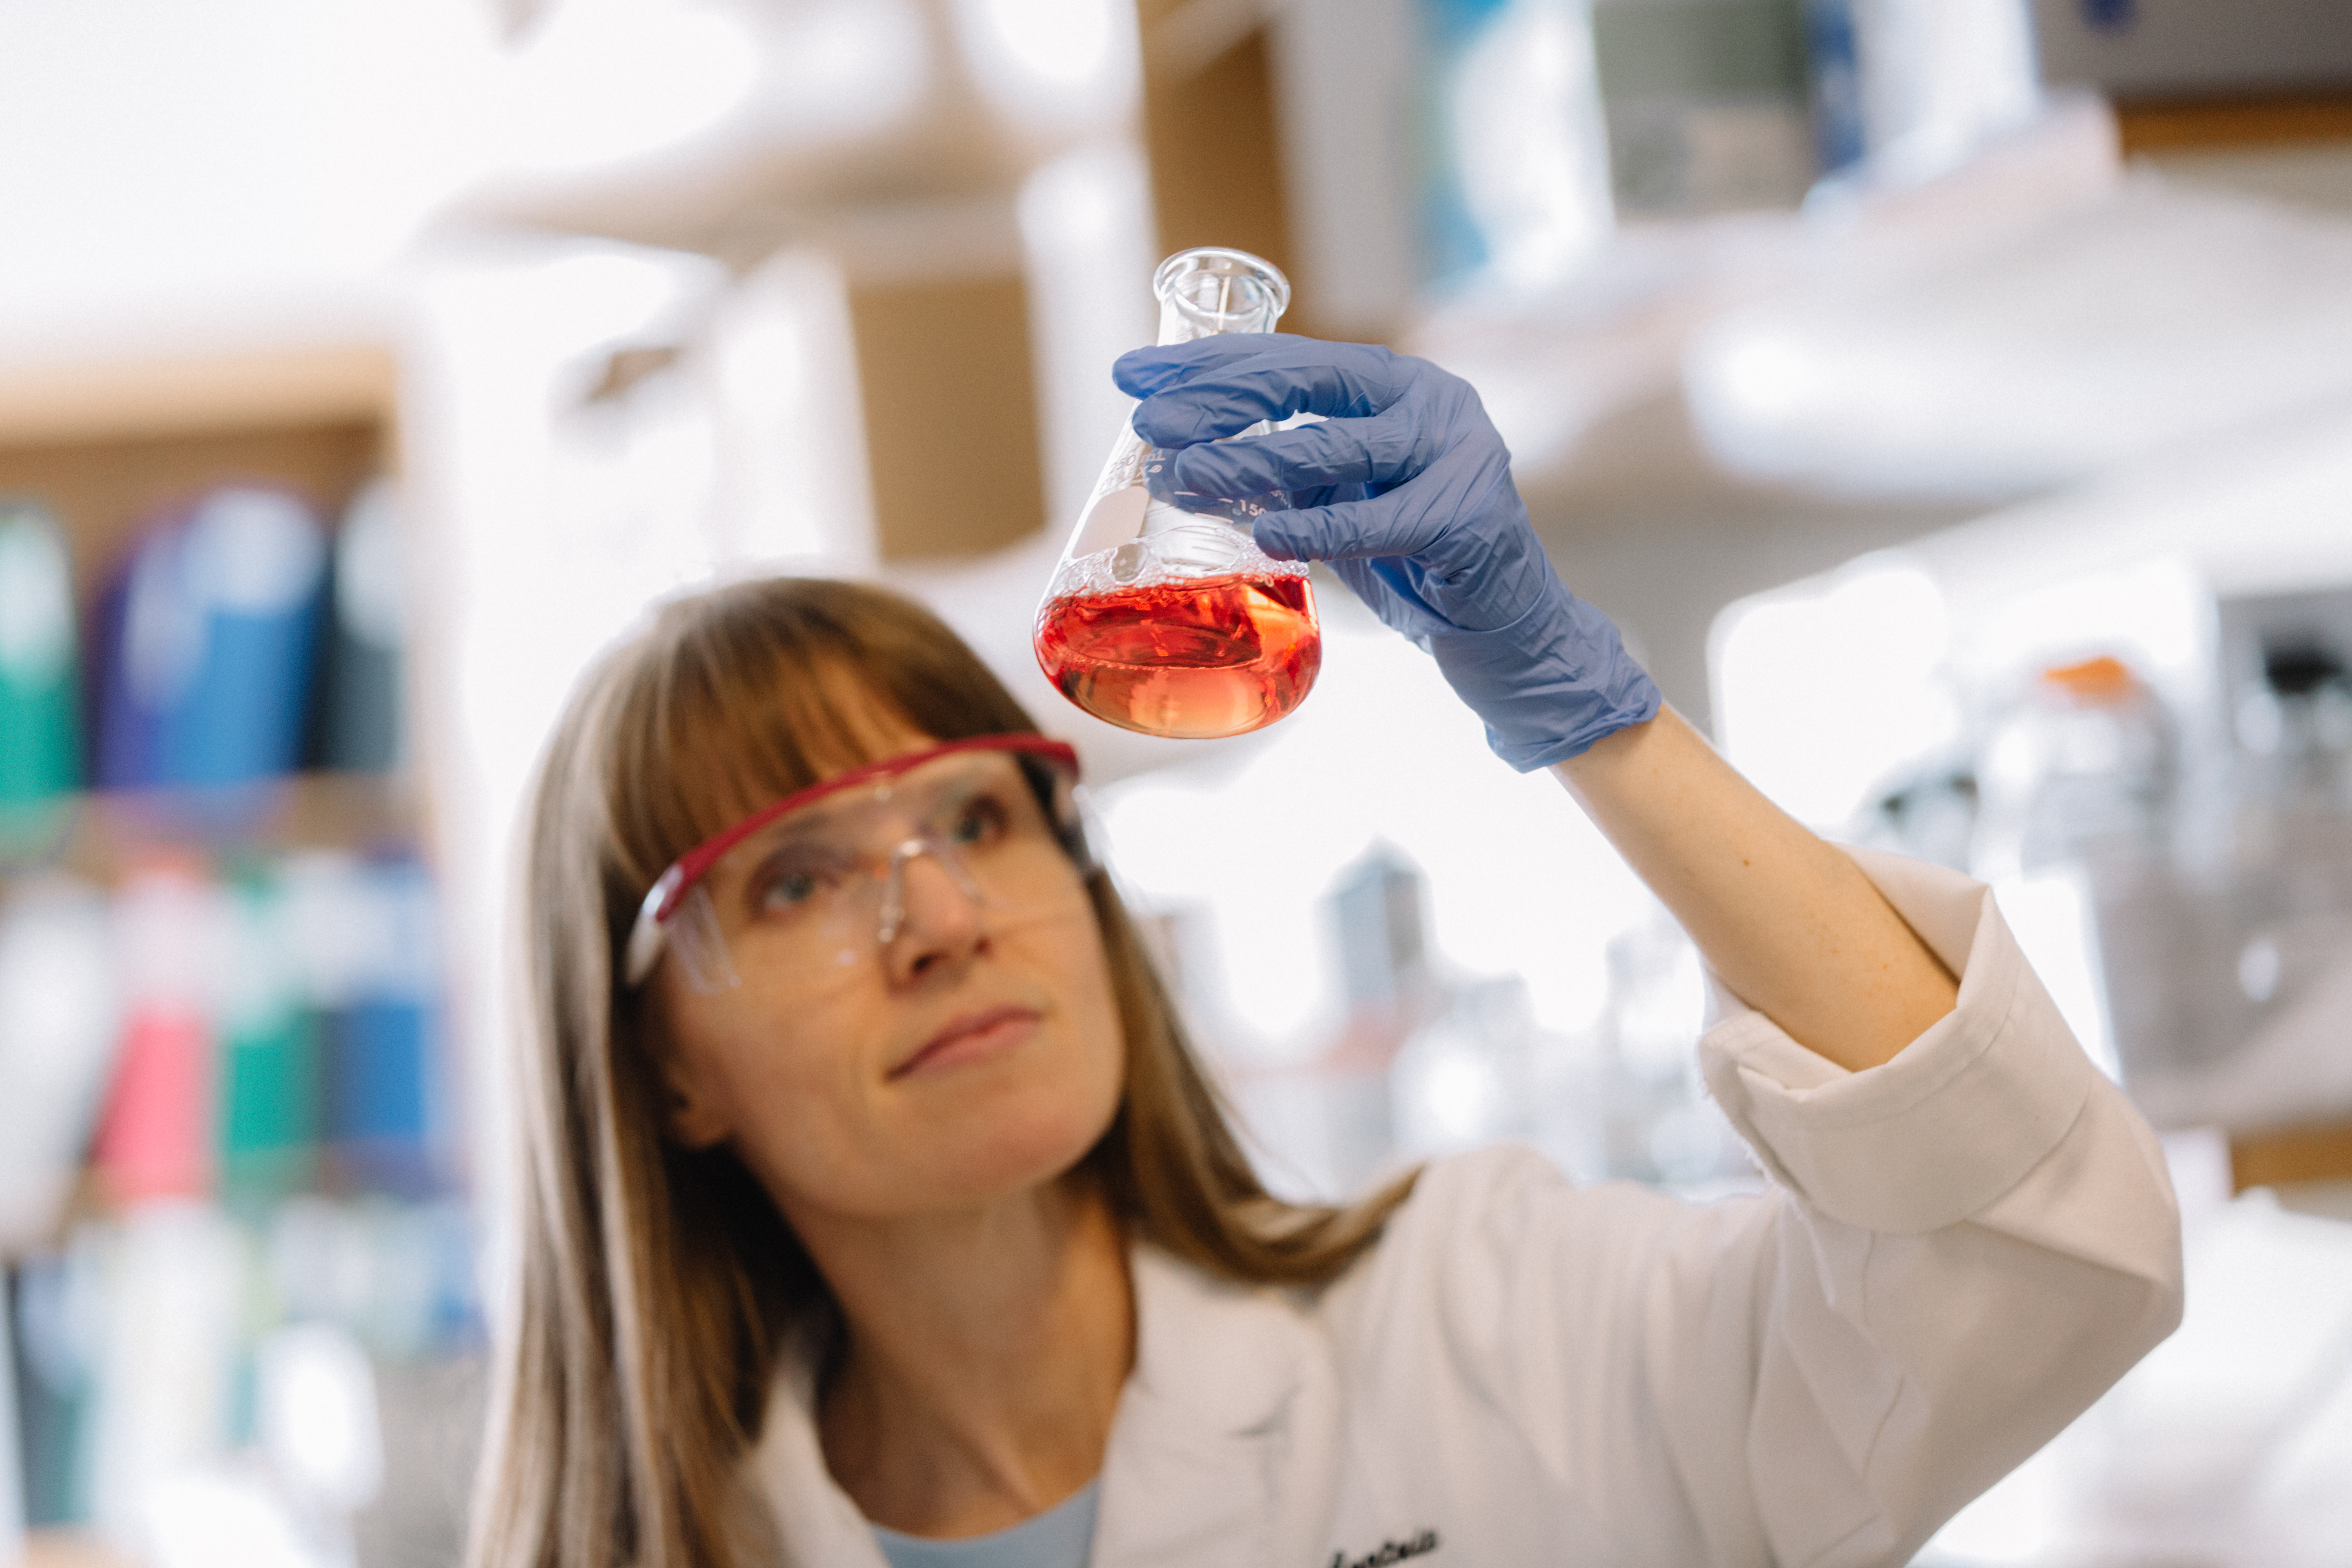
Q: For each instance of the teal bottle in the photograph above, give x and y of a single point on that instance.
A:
(268, 1061)
(40, 730)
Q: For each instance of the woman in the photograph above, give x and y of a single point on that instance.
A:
(875, 1205)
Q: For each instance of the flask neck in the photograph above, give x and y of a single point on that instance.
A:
(1208, 291)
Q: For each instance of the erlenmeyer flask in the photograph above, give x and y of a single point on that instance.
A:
(1163, 615)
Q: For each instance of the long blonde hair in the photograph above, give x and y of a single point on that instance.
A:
(657, 1283)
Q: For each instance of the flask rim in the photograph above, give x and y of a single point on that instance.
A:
(1221, 261)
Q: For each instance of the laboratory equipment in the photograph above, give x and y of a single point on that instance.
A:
(2084, 765)
(1406, 490)
(1163, 615)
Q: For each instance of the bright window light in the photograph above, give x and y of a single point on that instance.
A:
(1053, 67)
(1062, 41)
(606, 79)
(318, 1415)
(1822, 691)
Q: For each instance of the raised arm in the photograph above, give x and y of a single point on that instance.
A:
(1406, 490)
(1969, 1233)
(1790, 923)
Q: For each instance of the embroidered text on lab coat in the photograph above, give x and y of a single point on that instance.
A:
(1390, 1552)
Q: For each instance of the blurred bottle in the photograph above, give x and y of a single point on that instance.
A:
(1904, 89)
(2078, 782)
(366, 945)
(360, 716)
(39, 695)
(2293, 821)
(256, 563)
(12, 1466)
(1378, 913)
(207, 636)
(147, 638)
(2084, 765)
(58, 1012)
(1644, 1112)
(166, 1349)
(1466, 1077)
(268, 1052)
(320, 1433)
(56, 1307)
(1330, 1121)
(384, 1084)
(1927, 813)
(1517, 194)
(154, 1140)
(2294, 727)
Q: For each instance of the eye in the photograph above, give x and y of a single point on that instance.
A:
(789, 882)
(981, 820)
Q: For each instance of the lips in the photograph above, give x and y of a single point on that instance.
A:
(971, 1037)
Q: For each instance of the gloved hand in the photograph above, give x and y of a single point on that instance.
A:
(1406, 490)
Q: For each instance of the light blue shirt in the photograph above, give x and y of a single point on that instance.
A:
(1061, 1537)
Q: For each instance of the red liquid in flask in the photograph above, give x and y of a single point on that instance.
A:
(1195, 659)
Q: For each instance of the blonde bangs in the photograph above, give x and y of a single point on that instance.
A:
(751, 693)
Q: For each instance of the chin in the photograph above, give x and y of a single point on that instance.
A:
(1024, 1141)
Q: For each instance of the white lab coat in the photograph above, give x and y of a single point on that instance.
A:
(1961, 1249)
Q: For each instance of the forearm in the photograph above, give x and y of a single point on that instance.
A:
(1790, 923)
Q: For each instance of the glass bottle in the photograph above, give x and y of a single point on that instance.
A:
(1163, 615)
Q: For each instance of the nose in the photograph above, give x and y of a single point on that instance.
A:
(931, 912)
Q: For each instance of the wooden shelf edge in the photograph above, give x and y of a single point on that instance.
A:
(108, 400)
(2285, 1156)
(2223, 124)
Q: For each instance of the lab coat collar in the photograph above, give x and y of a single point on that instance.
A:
(1229, 1381)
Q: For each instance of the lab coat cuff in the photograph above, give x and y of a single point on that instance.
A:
(1953, 1121)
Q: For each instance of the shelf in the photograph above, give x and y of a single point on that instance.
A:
(70, 1549)
(134, 399)
(2184, 125)
(103, 835)
(2288, 1156)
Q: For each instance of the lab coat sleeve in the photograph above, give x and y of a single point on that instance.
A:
(1961, 1249)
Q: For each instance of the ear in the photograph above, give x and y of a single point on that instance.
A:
(690, 1117)
(692, 1109)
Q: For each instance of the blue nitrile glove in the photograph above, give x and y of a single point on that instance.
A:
(1406, 490)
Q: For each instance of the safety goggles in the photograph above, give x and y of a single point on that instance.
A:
(819, 881)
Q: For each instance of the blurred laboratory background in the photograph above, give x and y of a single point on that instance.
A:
(1951, 400)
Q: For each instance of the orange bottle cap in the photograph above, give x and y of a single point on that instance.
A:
(2100, 679)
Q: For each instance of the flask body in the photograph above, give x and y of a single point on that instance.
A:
(1162, 615)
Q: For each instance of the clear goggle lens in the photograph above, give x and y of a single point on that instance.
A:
(988, 836)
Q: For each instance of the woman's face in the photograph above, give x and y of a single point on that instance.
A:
(863, 1072)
